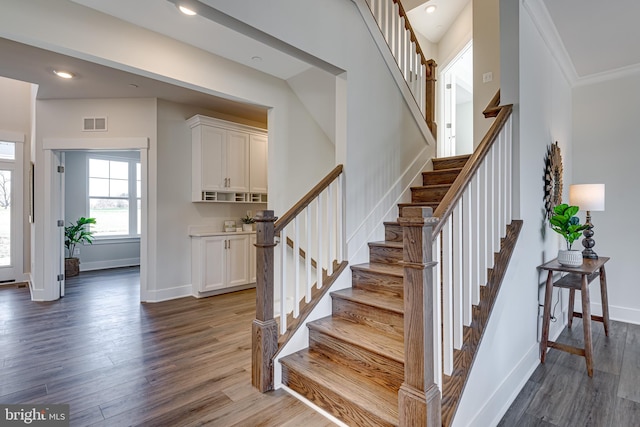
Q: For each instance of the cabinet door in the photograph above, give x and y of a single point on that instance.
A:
(252, 258)
(213, 154)
(237, 260)
(237, 161)
(213, 263)
(258, 150)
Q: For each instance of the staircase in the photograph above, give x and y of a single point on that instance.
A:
(354, 365)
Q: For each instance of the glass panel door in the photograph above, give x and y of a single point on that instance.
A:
(5, 217)
(11, 199)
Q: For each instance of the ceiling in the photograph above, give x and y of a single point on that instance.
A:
(597, 39)
(433, 25)
(598, 36)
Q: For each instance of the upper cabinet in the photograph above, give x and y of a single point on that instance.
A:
(229, 161)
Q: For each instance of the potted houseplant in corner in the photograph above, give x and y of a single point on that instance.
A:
(565, 223)
(73, 234)
(247, 223)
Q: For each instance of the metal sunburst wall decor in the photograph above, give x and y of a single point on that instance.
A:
(552, 178)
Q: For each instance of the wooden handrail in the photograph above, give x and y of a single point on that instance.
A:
(307, 199)
(447, 204)
(493, 108)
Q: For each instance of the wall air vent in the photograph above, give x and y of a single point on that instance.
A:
(94, 124)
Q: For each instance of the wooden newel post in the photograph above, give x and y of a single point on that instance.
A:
(419, 397)
(430, 97)
(264, 329)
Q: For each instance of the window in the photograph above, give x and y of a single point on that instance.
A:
(114, 196)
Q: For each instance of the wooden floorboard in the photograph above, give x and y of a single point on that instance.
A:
(117, 362)
(560, 393)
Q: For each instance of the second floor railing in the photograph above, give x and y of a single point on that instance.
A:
(419, 72)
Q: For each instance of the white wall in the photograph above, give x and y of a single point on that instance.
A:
(457, 37)
(486, 58)
(176, 211)
(509, 350)
(606, 149)
(15, 116)
(63, 119)
(106, 253)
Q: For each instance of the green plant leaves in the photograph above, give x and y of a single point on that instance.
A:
(565, 223)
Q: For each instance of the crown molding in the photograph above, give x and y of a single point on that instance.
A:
(604, 76)
(547, 30)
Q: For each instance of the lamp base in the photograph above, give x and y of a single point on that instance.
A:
(588, 241)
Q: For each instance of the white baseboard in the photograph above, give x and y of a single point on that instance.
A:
(113, 263)
(168, 294)
(622, 314)
(313, 406)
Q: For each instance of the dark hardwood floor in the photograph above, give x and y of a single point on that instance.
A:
(117, 362)
(560, 393)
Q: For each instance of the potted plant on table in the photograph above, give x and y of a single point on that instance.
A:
(565, 223)
(247, 223)
(75, 233)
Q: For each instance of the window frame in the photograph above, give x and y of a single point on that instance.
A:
(133, 198)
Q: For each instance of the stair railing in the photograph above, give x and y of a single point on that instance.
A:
(461, 237)
(293, 279)
(419, 72)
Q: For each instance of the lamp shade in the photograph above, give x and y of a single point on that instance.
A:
(589, 197)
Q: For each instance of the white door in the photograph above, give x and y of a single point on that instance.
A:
(450, 116)
(58, 203)
(237, 260)
(11, 211)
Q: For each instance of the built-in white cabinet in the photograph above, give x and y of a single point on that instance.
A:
(229, 161)
(221, 261)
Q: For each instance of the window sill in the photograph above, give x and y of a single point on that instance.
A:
(115, 240)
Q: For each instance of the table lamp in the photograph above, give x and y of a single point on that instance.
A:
(588, 197)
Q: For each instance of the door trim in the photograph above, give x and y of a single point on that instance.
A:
(50, 240)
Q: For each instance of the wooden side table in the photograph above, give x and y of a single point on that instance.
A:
(578, 278)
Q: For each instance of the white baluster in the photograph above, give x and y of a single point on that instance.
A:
(490, 211)
(456, 219)
(307, 258)
(482, 220)
(508, 130)
(320, 248)
(283, 282)
(437, 313)
(475, 239)
(497, 198)
(340, 220)
(447, 297)
(467, 247)
(296, 266)
(330, 230)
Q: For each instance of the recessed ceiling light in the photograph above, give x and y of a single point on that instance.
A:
(186, 11)
(63, 74)
(133, 85)
(431, 8)
(256, 58)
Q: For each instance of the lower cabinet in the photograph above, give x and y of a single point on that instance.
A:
(219, 262)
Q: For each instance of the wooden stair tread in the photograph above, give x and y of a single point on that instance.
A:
(388, 269)
(351, 386)
(381, 300)
(375, 340)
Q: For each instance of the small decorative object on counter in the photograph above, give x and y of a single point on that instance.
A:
(229, 226)
(247, 223)
(565, 223)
